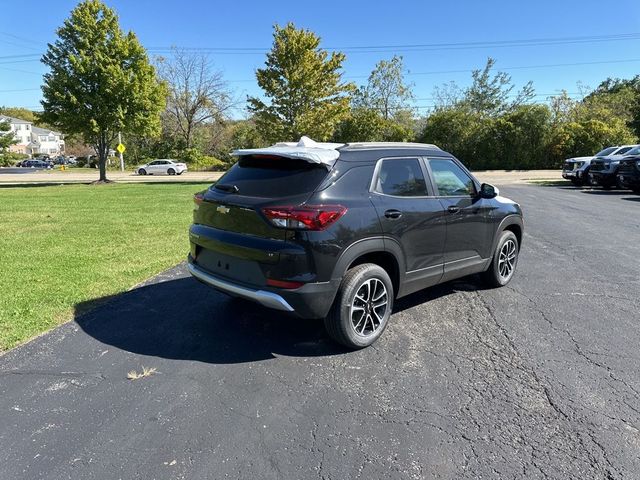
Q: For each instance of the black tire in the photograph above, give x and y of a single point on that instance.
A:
(339, 322)
(493, 276)
(171, 171)
(142, 171)
(576, 182)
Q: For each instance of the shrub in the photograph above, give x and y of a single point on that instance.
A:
(198, 161)
(9, 159)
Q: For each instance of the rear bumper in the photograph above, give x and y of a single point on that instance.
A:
(312, 300)
(268, 299)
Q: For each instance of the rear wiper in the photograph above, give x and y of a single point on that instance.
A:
(227, 188)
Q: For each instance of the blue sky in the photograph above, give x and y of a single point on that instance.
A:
(350, 24)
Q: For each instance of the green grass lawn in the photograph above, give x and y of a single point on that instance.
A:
(63, 245)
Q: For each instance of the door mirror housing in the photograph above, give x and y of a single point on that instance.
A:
(488, 191)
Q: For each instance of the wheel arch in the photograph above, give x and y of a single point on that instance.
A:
(512, 223)
(387, 254)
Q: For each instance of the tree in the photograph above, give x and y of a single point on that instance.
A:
(304, 86)
(489, 94)
(100, 81)
(7, 138)
(386, 90)
(19, 112)
(198, 94)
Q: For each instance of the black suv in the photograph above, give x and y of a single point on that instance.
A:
(341, 231)
(629, 173)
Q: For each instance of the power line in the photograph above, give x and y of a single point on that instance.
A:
(422, 47)
(20, 90)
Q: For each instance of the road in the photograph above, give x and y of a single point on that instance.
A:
(540, 379)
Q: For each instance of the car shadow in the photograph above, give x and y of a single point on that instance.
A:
(606, 192)
(180, 318)
(631, 199)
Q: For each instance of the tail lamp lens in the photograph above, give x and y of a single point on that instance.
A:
(307, 217)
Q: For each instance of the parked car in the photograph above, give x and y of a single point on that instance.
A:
(576, 169)
(340, 231)
(603, 170)
(162, 167)
(629, 171)
(36, 164)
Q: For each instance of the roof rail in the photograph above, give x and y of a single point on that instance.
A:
(377, 145)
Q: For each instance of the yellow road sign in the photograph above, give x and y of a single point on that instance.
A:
(121, 148)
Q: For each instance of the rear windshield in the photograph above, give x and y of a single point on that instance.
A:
(273, 177)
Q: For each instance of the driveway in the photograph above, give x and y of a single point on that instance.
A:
(537, 380)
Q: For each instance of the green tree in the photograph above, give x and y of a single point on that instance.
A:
(19, 112)
(386, 91)
(304, 88)
(100, 81)
(489, 93)
(7, 138)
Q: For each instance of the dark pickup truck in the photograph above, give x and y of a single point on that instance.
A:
(629, 173)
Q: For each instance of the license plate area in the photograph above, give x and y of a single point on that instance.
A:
(230, 267)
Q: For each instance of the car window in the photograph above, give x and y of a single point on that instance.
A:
(155, 163)
(450, 179)
(273, 177)
(401, 178)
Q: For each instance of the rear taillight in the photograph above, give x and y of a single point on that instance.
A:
(306, 217)
(198, 198)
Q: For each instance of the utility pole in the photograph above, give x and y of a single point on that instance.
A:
(121, 159)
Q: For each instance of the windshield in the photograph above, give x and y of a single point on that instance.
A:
(634, 151)
(606, 151)
(623, 151)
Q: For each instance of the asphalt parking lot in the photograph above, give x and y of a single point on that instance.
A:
(540, 379)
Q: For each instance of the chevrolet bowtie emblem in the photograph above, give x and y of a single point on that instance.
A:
(222, 209)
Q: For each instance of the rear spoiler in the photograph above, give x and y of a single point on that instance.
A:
(306, 150)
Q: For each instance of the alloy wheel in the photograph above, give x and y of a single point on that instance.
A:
(369, 307)
(507, 259)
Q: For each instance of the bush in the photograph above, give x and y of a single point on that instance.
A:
(198, 161)
(9, 159)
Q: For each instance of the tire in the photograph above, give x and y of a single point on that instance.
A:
(180, 172)
(576, 182)
(495, 275)
(359, 281)
(142, 171)
(636, 190)
(171, 171)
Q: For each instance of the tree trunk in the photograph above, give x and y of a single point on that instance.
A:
(102, 151)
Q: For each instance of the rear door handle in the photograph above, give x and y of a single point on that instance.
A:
(393, 213)
(453, 209)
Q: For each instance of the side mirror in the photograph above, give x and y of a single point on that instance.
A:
(488, 191)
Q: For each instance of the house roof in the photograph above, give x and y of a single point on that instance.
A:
(43, 131)
(6, 118)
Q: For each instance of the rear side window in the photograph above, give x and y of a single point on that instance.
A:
(450, 179)
(272, 177)
(401, 178)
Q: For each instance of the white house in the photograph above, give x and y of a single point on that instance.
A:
(34, 140)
